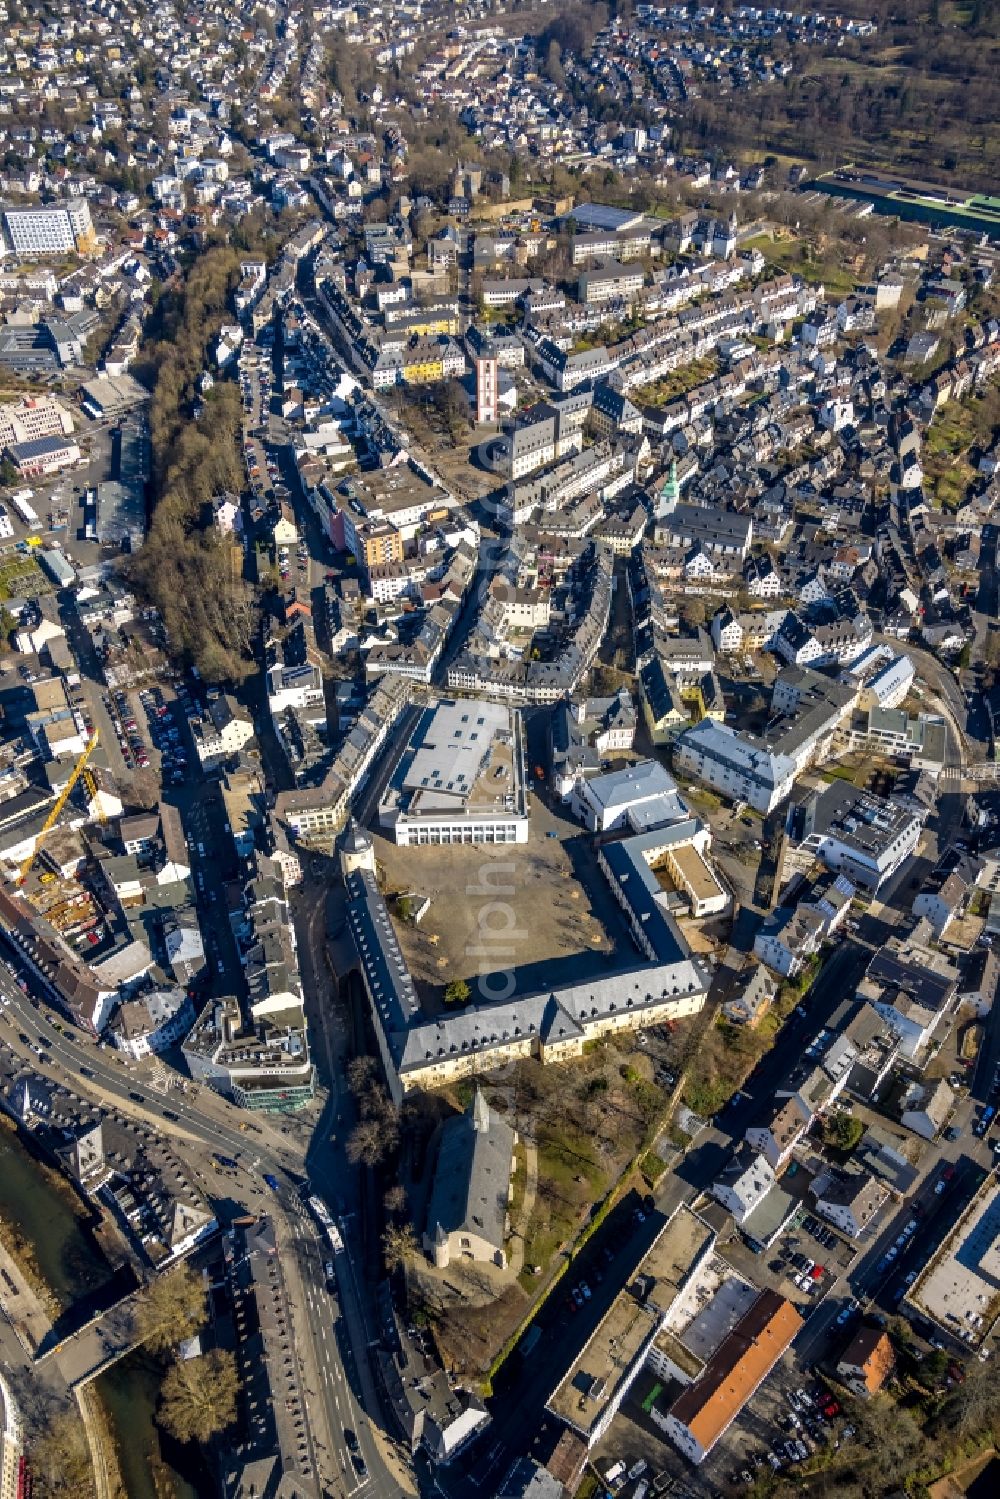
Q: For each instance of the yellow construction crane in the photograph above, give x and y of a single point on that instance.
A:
(57, 807)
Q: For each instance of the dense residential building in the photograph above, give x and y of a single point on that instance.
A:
(703, 1412)
(693, 476)
(867, 1362)
(13, 1461)
(268, 1453)
(736, 765)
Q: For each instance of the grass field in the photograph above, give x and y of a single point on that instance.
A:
(794, 255)
(677, 383)
(570, 1176)
(952, 435)
(21, 575)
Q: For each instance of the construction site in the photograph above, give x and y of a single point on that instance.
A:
(58, 876)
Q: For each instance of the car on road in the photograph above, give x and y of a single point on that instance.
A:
(138, 1097)
(329, 1272)
(351, 1441)
(224, 1160)
(271, 1181)
(360, 1466)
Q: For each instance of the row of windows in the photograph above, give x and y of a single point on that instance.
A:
(474, 833)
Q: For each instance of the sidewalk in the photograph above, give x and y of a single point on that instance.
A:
(24, 1308)
(390, 1455)
(93, 1426)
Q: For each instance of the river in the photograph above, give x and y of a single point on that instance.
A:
(70, 1260)
(147, 1458)
(66, 1253)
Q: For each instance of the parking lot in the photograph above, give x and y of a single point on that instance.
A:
(167, 737)
(791, 1418)
(804, 1264)
(203, 819)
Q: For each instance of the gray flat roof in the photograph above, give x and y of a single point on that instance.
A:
(604, 216)
(592, 1380)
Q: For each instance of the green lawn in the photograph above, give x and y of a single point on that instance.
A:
(953, 432)
(677, 383)
(794, 255)
(20, 575)
(563, 1157)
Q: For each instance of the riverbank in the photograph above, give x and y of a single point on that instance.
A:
(46, 1226)
(152, 1465)
(48, 1258)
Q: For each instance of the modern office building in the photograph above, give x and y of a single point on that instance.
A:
(33, 417)
(855, 833)
(461, 778)
(48, 229)
(42, 455)
(266, 1068)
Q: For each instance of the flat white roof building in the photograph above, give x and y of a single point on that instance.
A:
(960, 1288)
(461, 778)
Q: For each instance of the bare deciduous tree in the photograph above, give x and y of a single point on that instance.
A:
(399, 1244)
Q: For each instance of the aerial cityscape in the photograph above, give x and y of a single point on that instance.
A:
(499, 750)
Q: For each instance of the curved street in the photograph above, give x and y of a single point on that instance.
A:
(331, 1332)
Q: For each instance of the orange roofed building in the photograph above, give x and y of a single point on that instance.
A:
(740, 1364)
(867, 1362)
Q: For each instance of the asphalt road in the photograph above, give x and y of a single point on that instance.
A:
(206, 1124)
(349, 1382)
